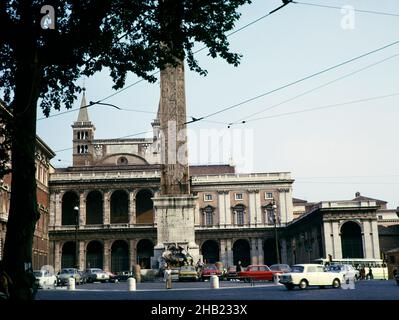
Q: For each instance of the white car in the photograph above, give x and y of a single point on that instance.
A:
(304, 275)
(347, 271)
(45, 279)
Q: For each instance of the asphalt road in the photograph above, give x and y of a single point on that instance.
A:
(365, 290)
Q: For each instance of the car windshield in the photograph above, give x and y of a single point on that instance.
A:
(187, 268)
(210, 267)
(298, 269)
(64, 271)
(335, 268)
(96, 271)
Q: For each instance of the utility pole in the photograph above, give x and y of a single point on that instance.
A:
(76, 209)
(274, 208)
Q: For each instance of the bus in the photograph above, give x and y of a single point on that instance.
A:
(378, 266)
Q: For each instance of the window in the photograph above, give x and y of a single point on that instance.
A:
(380, 217)
(264, 268)
(207, 197)
(239, 196)
(320, 269)
(311, 269)
(209, 218)
(240, 217)
(269, 217)
(122, 161)
(268, 195)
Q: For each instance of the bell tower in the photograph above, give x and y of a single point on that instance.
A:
(83, 135)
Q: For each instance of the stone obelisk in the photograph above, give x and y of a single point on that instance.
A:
(174, 207)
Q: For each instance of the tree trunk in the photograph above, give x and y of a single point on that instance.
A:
(23, 213)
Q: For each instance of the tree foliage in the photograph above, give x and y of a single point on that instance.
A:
(42, 66)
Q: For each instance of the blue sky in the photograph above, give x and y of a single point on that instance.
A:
(332, 152)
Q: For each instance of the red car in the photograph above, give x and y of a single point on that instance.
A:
(210, 270)
(257, 272)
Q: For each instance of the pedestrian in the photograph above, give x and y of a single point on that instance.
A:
(238, 267)
(168, 277)
(199, 265)
(370, 274)
(362, 273)
(5, 283)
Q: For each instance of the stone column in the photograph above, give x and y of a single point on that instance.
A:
(337, 240)
(367, 240)
(107, 255)
(376, 242)
(197, 213)
(107, 207)
(284, 206)
(251, 207)
(258, 209)
(82, 209)
(132, 208)
(58, 208)
(328, 244)
(221, 209)
(82, 255)
(229, 246)
(227, 208)
(289, 206)
(284, 256)
(260, 252)
(132, 253)
(254, 251)
(223, 252)
(52, 206)
(57, 256)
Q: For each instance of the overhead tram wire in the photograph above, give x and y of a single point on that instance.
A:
(395, 94)
(340, 8)
(300, 80)
(247, 118)
(156, 72)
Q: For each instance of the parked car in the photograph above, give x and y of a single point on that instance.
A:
(175, 274)
(66, 273)
(396, 274)
(210, 270)
(112, 277)
(284, 268)
(96, 274)
(347, 271)
(304, 275)
(83, 276)
(188, 273)
(124, 275)
(44, 278)
(257, 272)
(280, 268)
(231, 273)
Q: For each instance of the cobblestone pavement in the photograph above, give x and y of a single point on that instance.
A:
(365, 290)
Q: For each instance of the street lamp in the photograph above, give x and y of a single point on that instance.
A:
(76, 209)
(274, 207)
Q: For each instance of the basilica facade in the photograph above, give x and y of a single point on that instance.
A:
(102, 211)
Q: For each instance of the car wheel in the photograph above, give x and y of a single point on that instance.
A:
(303, 284)
(336, 284)
(289, 286)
